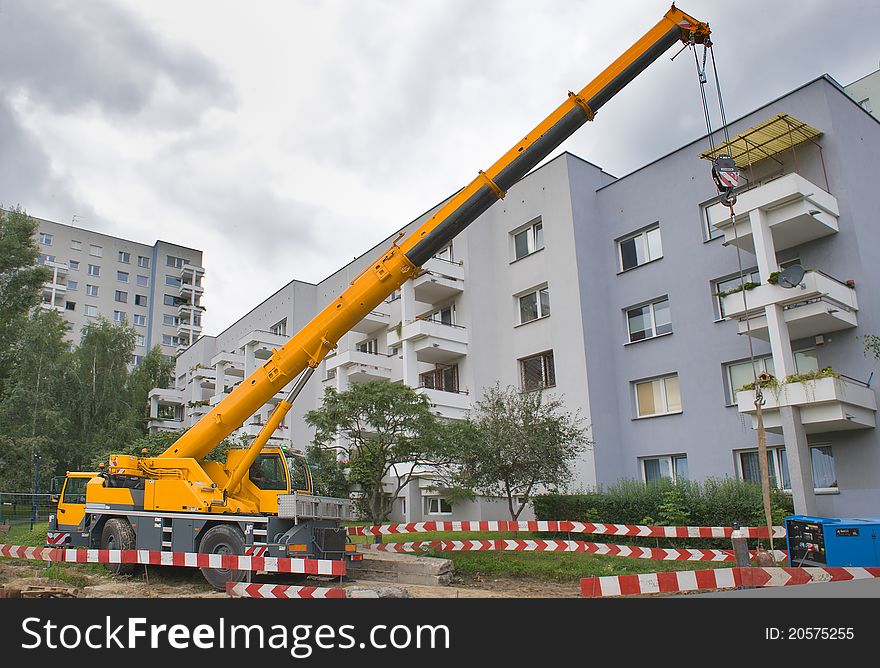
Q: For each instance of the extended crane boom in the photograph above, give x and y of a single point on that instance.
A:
(400, 262)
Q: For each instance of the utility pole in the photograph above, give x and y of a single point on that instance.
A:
(36, 488)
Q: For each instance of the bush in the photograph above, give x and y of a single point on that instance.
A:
(713, 502)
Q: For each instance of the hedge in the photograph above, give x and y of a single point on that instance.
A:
(713, 502)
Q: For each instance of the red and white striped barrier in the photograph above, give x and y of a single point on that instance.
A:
(720, 578)
(244, 590)
(508, 545)
(565, 526)
(189, 559)
(660, 583)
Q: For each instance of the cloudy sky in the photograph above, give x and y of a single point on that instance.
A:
(285, 138)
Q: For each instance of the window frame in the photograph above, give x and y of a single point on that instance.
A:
(547, 370)
(120, 316)
(673, 468)
(120, 275)
(140, 298)
(780, 460)
(652, 303)
(92, 307)
(138, 316)
(440, 501)
(120, 296)
(539, 304)
(94, 270)
(45, 238)
(91, 290)
(645, 231)
(96, 251)
(663, 394)
(146, 262)
(532, 228)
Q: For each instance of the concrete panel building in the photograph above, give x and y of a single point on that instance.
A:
(624, 295)
(157, 289)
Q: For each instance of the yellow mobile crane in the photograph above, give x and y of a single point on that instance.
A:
(178, 501)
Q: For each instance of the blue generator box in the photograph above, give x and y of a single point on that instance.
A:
(833, 541)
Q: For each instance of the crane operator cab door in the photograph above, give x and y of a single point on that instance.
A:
(300, 476)
(71, 510)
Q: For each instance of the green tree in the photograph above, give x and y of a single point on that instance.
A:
(516, 443)
(328, 473)
(31, 419)
(96, 397)
(388, 433)
(20, 282)
(155, 370)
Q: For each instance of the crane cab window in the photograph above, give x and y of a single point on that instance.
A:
(267, 472)
(75, 490)
(299, 477)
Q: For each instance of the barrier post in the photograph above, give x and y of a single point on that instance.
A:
(741, 550)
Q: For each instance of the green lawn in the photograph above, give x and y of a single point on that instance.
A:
(21, 534)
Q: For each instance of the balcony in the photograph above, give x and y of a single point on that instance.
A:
(434, 341)
(797, 211)
(361, 366)
(826, 405)
(820, 304)
(449, 405)
(52, 307)
(375, 320)
(440, 280)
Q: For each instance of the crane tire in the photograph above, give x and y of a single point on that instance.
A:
(222, 539)
(118, 534)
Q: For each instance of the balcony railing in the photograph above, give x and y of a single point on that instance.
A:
(834, 403)
(797, 211)
(820, 304)
(450, 405)
(440, 279)
(433, 341)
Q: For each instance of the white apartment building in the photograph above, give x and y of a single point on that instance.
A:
(157, 289)
(616, 293)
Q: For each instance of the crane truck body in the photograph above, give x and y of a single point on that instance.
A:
(178, 501)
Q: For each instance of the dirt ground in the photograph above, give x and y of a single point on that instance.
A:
(90, 581)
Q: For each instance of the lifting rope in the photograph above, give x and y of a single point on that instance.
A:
(725, 173)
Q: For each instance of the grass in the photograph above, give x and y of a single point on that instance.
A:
(22, 534)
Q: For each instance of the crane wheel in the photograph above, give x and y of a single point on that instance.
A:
(222, 539)
(118, 535)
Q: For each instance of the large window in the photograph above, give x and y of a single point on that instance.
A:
(648, 321)
(534, 305)
(173, 281)
(445, 315)
(171, 320)
(667, 467)
(738, 374)
(658, 396)
(640, 248)
(821, 457)
(176, 262)
(537, 371)
(443, 378)
(528, 240)
(169, 300)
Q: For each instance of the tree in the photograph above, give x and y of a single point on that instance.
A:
(328, 473)
(155, 370)
(388, 433)
(517, 442)
(20, 281)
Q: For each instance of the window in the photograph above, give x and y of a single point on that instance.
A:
(738, 374)
(727, 284)
(444, 378)
(173, 281)
(140, 340)
(143, 262)
(143, 281)
(445, 316)
(73, 264)
(122, 276)
(119, 316)
(370, 346)
(72, 285)
(140, 320)
(640, 248)
(777, 466)
(537, 372)
(169, 340)
(76, 245)
(670, 467)
(121, 297)
(658, 396)
(96, 251)
(445, 253)
(534, 305)
(94, 270)
(648, 321)
(436, 505)
(528, 240)
(279, 328)
(169, 300)
(176, 262)
(91, 290)
(91, 311)
(824, 477)
(171, 320)
(124, 257)
(43, 259)
(140, 300)
(45, 239)
(709, 230)
(69, 306)
(268, 472)
(75, 490)
(136, 361)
